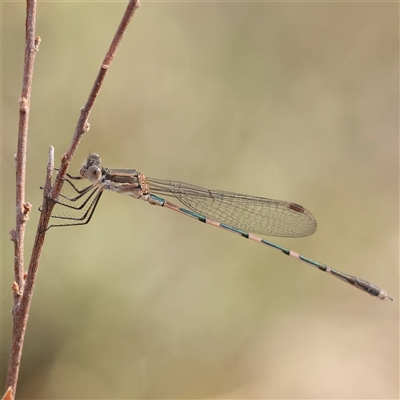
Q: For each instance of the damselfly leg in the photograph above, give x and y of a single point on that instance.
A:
(84, 200)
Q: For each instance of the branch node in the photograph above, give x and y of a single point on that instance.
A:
(23, 104)
(27, 208)
(13, 235)
(86, 127)
(16, 289)
(37, 43)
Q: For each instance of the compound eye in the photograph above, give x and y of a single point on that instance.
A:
(93, 173)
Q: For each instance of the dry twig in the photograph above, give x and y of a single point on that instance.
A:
(24, 281)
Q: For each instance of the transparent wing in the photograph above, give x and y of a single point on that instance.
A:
(249, 213)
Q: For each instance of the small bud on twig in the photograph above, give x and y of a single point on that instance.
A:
(37, 42)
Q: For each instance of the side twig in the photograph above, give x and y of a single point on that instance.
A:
(24, 282)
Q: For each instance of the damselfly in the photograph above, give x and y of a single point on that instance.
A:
(233, 212)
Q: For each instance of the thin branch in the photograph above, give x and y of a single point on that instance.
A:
(22, 208)
(24, 282)
(21, 313)
(83, 125)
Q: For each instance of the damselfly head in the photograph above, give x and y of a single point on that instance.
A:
(91, 168)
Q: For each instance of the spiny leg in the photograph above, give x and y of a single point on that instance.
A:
(85, 218)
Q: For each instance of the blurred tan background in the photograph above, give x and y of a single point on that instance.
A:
(296, 101)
